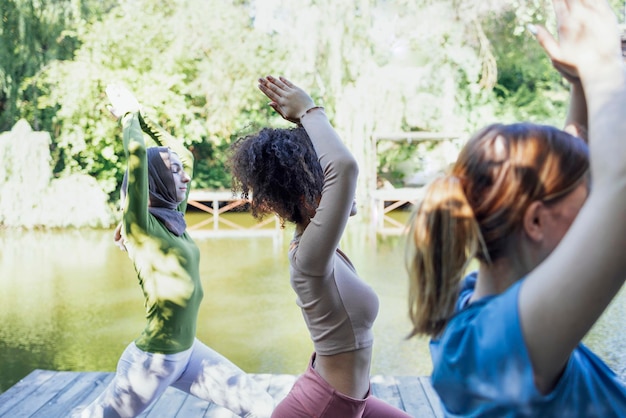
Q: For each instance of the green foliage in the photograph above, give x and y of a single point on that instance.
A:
(33, 34)
(391, 163)
(528, 87)
(375, 65)
(189, 63)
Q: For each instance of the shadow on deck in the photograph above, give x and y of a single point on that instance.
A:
(52, 394)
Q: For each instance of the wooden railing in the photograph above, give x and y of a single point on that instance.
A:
(199, 198)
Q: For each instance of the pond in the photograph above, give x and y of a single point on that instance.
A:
(69, 300)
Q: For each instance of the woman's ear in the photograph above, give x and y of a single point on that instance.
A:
(534, 221)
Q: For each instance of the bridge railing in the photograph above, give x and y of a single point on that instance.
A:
(215, 224)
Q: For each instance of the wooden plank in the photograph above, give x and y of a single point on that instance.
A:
(396, 224)
(22, 389)
(215, 411)
(41, 395)
(432, 397)
(386, 389)
(192, 407)
(413, 397)
(77, 394)
(395, 205)
(274, 234)
(208, 195)
(167, 405)
(44, 394)
(399, 197)
(407, 194)
(96, 388)
(216, 197)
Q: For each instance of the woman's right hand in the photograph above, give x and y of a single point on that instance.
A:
(122, 100)
(289, 100)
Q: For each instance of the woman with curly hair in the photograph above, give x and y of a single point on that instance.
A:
(506, 340)
(307, 176)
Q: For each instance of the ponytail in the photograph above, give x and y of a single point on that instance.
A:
(443, 238)
(476, 210)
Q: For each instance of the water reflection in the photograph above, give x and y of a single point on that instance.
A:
(69, 300)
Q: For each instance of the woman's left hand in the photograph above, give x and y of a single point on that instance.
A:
(549, 44)
(289, 100)
(118, 239)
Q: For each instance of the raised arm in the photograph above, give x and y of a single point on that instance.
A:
(136, 202)
(123, 101)
(322, 235)
(125, 107)
(562, 298)
(576, 121)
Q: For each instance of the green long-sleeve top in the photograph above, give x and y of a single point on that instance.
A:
(167, 265)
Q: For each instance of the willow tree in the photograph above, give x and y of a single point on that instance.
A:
(444, 65)
(377, 66)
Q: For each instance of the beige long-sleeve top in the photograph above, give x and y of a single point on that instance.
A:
(338, 307)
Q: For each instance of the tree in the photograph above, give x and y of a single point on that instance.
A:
(193, 64)
(33, 34)
(376, 65)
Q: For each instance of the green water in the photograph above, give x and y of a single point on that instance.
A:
(69, 300)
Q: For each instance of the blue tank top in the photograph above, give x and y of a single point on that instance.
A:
(481, 367)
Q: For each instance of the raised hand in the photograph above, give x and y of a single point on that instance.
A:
(122, 100)
(289, 100)
(588, 38)
(549, 44)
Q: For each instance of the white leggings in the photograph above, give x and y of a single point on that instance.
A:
(142, 377)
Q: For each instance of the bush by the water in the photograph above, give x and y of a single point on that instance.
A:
(29, 195)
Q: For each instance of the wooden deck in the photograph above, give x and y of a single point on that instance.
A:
(53, 394)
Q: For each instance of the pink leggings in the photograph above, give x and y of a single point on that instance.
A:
(312, 397)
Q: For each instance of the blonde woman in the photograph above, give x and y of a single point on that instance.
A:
(506, 341)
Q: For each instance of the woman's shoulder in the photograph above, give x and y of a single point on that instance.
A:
(483, 335)
(480, 353)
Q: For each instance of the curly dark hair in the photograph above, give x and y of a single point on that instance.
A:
(281, 170)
